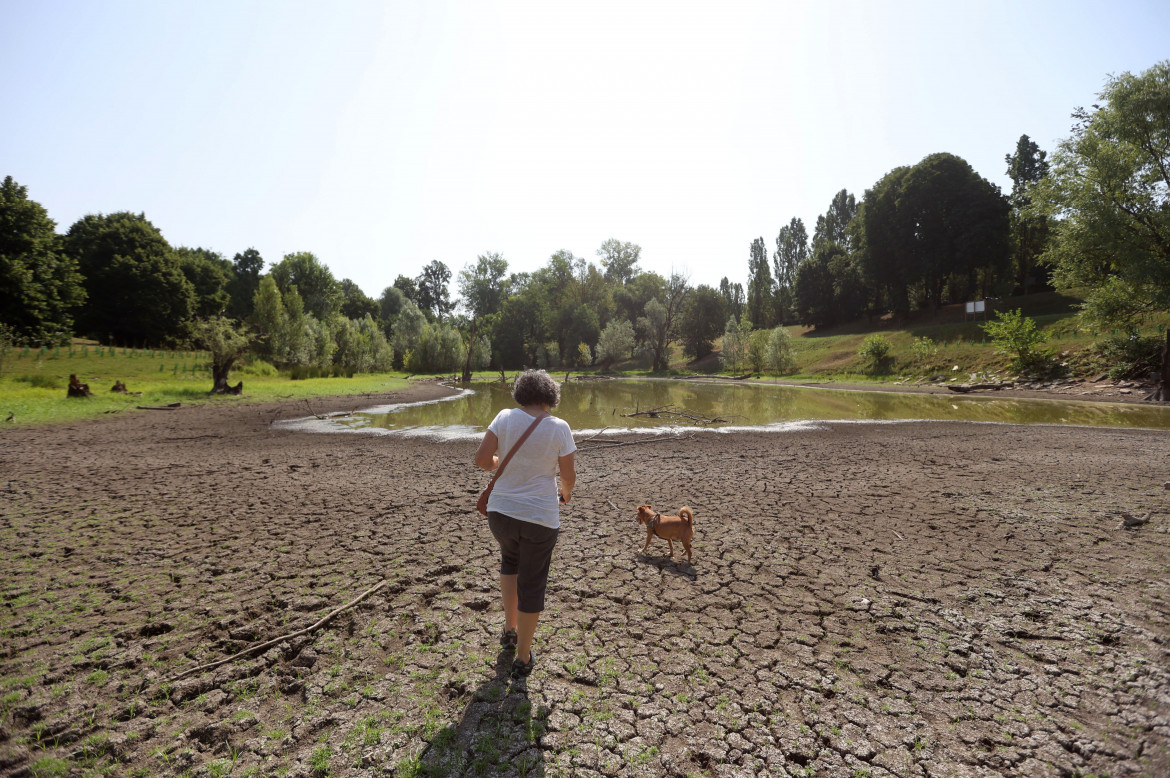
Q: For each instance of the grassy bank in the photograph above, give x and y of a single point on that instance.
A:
(33, 382)
(956, 341)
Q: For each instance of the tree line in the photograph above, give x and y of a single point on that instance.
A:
(923, 236)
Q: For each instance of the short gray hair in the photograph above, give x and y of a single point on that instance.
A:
(536, 387)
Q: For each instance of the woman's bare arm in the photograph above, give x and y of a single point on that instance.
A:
(568, 476)
(485, 456)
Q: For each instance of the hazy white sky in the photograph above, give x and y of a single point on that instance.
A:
(382, 135)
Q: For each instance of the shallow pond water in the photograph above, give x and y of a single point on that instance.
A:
(592, 406)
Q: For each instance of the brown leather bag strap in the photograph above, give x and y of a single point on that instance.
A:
(515, 448)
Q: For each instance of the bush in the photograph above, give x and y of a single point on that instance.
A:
(778, 355)
(876, 350)
(1017, 336)
(1129, 355)
(40, 381)
(925, 350)
(258, 367)
(757, 351)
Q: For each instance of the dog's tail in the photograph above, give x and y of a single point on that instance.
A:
(687, 514)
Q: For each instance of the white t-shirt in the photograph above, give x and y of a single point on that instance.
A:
(528, 488)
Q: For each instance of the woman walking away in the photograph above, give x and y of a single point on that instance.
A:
(523, 510)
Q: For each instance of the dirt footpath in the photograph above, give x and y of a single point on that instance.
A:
(918, 599)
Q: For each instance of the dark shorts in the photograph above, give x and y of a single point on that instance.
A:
(525, 552)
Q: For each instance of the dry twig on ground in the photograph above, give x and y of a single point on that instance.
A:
(276, 641)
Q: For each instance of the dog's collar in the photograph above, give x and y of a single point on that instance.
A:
(654, 521)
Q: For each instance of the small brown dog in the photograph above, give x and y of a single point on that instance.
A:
(669, 528)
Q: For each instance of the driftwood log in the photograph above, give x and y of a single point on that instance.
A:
(964, 388)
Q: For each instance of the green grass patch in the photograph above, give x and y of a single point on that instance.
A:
(32, 385)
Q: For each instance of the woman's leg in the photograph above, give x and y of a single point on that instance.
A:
(526, 630)
(507, 534)
(509, 598)
(537, 545)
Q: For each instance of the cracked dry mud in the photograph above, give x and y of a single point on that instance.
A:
(920, 599)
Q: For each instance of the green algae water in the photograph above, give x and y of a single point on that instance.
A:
(593, 406)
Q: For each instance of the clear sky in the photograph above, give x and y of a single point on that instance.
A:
(382, 135)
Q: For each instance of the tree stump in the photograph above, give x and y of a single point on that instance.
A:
(76, 388)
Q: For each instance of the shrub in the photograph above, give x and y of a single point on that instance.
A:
(1129, 355)
(258, 367)
(757, 350)
(1018, 337)
(875, 349)
(778, 354)
(925, 350)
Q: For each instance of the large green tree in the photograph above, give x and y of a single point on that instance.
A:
(702, 320)
(661, 319)
(934, 233)
(1029, 230)
(833, 226)
(314, 282)
(1108, 191)
(356, 304)
(620, 260)
(210, 276)
(135, 287)
(733, 297)
(760, 292)
(433, 296)
(483, 288)
(39, 284)
(791, 251)
(246, 269)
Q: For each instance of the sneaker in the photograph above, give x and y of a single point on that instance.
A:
(522, 669)
(508, 640)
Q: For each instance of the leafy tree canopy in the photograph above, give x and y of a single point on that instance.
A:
(135, 287)
(210, 275)
(433, 296)
(1108, 190)
(246, 270)
(703, 316)
(39, 284)
(620, 260)
(313, 281)
(356, 304)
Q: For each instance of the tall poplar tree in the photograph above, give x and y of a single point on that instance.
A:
(759, 296)
(1029, 230)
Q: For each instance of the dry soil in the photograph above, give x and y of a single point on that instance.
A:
(912, 599)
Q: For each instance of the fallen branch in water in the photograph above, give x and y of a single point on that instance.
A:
(616, 443)
(665, 410)
(275, 641)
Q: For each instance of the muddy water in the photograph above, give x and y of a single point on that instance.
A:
(597, 405)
